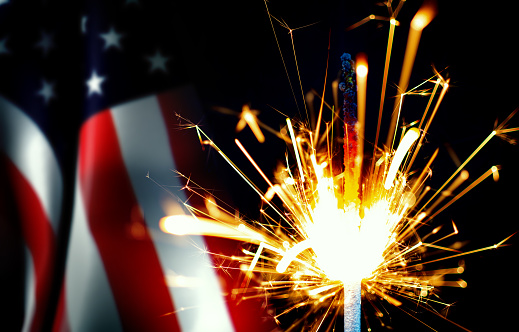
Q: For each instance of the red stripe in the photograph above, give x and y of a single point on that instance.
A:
(119, 230)
(184, 143)
(60, 321)
(11, 254)
(251, 315)
(39, 238)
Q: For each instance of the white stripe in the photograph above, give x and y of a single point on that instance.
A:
(90, 305)
(32, 154)
(145, 146)
(30, 287)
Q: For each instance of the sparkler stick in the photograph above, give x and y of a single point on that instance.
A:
(352, 306)
(354, 109)
(348, 88)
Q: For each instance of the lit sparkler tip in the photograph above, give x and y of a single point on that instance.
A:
(177, 225)
(362, 69)
(424, 16)
(495, 173)
(182, 225)
(362, 78)
(249, 118)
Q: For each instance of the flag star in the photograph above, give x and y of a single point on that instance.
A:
(94, 84)
(112, 38)
(47, 91)
(158, 62)
(45, 42)
(3, 48)
(84, 19)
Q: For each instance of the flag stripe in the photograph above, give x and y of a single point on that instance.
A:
(40, 241)
(140, 125)
(61, 323)
(233, 315)
(117, 225)
(87, 302)
(29, 150)
(37, 183)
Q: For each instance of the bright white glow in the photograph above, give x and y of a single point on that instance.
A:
(422, 18)
(291, 254)
(362, 70)
(408, 140)
(347, 248)
(188, 225)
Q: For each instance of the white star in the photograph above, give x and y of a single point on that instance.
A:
(84, 19)
(47, 91)
(45, 42)
(158, 62)
(2, 2)
(3, 48)
(112, 38)
(132, 1)
(94, 84)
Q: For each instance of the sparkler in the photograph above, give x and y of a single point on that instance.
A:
(339, 228)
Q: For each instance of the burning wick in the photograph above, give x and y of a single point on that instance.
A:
(349, 248)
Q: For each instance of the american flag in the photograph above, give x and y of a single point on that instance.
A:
(88, 96)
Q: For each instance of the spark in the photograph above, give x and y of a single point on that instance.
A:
(248, 117)
(422, 18)
(409, 138)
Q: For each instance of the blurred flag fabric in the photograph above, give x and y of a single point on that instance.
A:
(88, 96)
